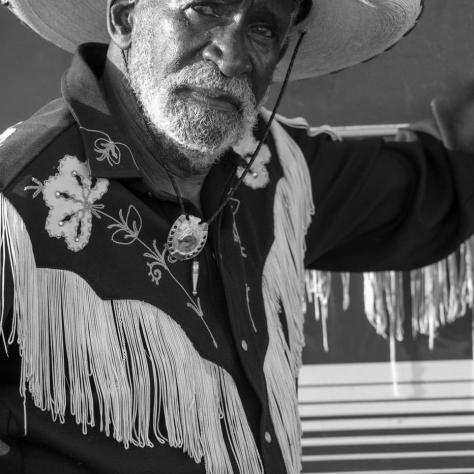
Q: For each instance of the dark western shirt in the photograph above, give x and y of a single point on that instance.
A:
(114, 365)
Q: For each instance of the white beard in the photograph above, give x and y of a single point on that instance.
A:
(200, 132)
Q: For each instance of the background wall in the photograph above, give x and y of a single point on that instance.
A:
(397, 86)
(30, 70)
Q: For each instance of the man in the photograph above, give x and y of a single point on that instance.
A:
(152, 284)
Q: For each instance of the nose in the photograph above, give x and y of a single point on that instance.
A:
(228, 50)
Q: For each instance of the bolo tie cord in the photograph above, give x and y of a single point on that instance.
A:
(233, 189)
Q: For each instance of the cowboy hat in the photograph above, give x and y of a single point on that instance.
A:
(340, 33)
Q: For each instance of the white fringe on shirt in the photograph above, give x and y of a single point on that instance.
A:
(439, 294)
(283, 290)
(139, 362)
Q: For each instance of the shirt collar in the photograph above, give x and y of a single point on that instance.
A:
(108, 152)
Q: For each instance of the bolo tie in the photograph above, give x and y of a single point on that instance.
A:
(188, 235)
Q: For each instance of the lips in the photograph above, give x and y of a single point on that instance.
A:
(212, 97)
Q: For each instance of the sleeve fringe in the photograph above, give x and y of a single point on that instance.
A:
(432, 296)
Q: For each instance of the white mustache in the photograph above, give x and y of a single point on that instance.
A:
(205, 76)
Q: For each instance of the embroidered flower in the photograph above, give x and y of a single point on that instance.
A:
(6, 134)
(258, 176)
(71, 195)
(107, 150)
(110, 150)
(37, 187)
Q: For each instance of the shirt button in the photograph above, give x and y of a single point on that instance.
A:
(245, 346)
(268, 437)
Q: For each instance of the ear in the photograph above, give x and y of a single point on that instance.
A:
(120, 21)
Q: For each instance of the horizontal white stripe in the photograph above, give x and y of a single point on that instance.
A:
(394, 422)
(371, 456)
(380, 372)
(353, 131)
(388, 439)
(384, 392)
(412, 407)
(451, 470)
(350, 131)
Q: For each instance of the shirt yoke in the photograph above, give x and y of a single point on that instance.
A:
(22, 143)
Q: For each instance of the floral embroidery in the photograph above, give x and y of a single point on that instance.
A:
(6, 134)
(158, 261)
(71, 195)
(129, 227)
(109, 150)
(258, 176)
(127, 231)
(37, 187)
(235, 206)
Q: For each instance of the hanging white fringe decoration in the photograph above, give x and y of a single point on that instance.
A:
(140, 363)
(318, 288)
(442, 292)
(283, 289)
(439, 293)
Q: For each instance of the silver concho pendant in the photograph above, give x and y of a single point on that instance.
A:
(187, 237)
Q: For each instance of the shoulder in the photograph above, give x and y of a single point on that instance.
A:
(310, 140)
(300, 130)
(26, 141)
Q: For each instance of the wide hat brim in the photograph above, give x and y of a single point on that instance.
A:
(339, 33)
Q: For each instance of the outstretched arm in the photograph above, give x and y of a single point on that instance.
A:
(393, 205)
(388, 206)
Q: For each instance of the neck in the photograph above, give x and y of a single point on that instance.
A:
(154, 151)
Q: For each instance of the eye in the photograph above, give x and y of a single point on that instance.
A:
(262, 31)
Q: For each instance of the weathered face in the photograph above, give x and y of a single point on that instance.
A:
(199, 68)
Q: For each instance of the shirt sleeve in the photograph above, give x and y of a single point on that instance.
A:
(386, 205)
